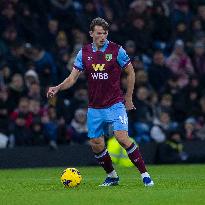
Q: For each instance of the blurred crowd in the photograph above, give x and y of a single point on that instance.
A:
(165, 40)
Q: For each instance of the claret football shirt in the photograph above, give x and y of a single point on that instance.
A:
(103, 71)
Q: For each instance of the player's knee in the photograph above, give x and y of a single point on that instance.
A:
(124, 141)
(97, 144)
(96, 141)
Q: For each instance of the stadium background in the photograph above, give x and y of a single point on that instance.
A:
(39, 41)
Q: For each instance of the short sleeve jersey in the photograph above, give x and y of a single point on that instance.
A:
(103, 71)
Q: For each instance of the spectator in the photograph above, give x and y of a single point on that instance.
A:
(141, 117)
(63, 11)
(51, 34)
(140, 34)
(201, 116)
(201, 120)
(5, 110)
(79, 39)
(143, 111)
(52, 127)
(166, 105)
(10, 35)
(37, 137)
(67, 108)
(162, 127)
(62, 44)
(7, 15)
(172, 151)
(130, 48)
(183, 32)
(181, 13)
(34, 91)
(199, 60)
(89, 14)
(190, 97)
(141, 78)
(16, 89)
(5, 74)
(159, 73)
(160, 20)
(30, 77)
(77, 131)
(21, 122)
(196, 28)
(201, 14)
(45, 65)
(138, 63)
(172, 87)
(180, 63)
(63, 59)
(190, 129)
(15, 58)
(28, 23)
(153, 101)
(138, 8)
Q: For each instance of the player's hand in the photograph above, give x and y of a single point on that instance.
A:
(129, 104)
(52, 91)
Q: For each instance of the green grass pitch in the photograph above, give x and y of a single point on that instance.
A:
(175, 184)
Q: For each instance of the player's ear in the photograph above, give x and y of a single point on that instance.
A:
(91, 33)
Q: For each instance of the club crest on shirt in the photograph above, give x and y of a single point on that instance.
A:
(108, 57)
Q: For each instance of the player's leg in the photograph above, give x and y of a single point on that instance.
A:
(101, 154)
(120, 126)
(134, 155)
(104, 159)
(95, 133)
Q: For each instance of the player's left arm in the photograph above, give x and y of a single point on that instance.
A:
(125, 63)
(130, 87)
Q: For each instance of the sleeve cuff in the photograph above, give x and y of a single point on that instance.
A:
(126, 64)
(77, 68)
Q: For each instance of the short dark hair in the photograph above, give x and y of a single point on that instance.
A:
(99, 22)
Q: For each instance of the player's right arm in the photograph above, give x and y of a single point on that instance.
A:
(71, 79)
(67, 83)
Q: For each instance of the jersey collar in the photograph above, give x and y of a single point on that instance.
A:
(102, 48)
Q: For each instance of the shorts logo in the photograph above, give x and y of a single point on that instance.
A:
(108, 57)
(98, 67)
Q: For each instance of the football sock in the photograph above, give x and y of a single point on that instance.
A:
(145, 175)
(113, 174)
(136, 158)
(105, 161)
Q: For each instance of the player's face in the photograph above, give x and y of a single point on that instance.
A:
(99, 36)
